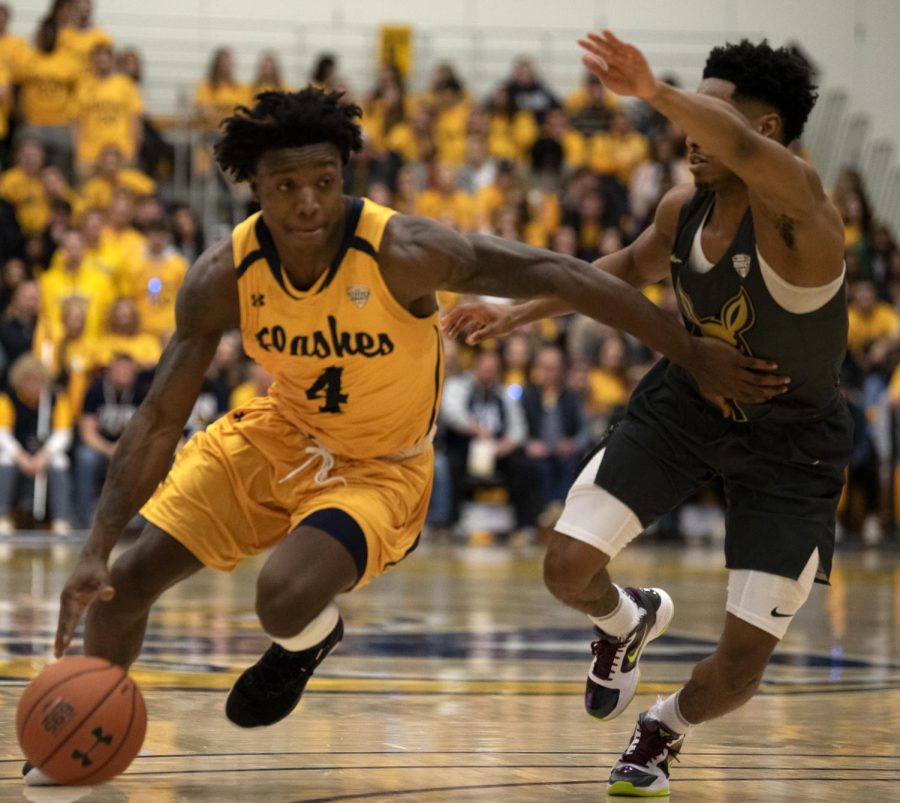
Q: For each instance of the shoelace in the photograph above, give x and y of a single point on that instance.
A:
(605, 654)
(321, 452)
(648, 745)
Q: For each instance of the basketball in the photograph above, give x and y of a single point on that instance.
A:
(81, 721)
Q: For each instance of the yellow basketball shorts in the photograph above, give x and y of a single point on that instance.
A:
(229, 494)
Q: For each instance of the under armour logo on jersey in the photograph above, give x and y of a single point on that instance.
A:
(258, 299)
(741, 263)
(359, 295)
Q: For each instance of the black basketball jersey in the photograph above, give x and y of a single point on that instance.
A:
(730, 301)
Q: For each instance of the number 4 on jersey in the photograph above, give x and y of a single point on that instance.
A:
(328, 387)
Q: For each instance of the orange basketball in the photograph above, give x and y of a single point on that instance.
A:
(81, 721)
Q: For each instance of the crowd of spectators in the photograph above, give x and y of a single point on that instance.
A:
(94, 246)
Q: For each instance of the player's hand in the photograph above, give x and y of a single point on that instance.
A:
(620, 66)
(479, 321)
(89, 582)
(722, 372)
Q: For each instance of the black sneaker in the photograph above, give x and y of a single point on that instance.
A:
(643, 769)
(270, 689)
(34, 777)
(613, 677)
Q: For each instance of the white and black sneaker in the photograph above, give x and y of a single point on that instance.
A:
(643, 769)
(613, 677)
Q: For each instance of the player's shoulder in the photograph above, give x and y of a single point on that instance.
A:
(670, 205)
(208, 297)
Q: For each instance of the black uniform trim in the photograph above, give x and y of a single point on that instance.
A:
(267, 247)
(341, 526)
(354, 212)
(437, 380)
(248, 261)
(365, 246)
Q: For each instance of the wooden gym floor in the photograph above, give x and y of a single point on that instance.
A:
(460, 679)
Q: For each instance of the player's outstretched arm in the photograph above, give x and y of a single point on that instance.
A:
(419, 256)
(643, 262)
(207, 305)
(786, 184)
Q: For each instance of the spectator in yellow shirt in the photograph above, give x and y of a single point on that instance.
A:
(111, 176)
(268, 76)
(445, 202)
(70, 355)
(49, 78)
(74, 276)
(22, 187)
(81, 36)
(618, 152)
(216, 97)
(451, 115)
(108, 108)
(121, 241)
(125, 335)
(156, 280)
(873, 325)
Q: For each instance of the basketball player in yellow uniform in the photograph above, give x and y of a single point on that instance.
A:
(332, 470)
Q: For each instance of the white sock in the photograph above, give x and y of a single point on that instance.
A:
(669, 714)
(36, 777)
(622, 620)
(314, 632)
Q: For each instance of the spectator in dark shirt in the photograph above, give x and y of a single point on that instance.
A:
(109, 404)
(526, 92)
(18, 324)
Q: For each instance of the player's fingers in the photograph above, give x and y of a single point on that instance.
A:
(766, 380)
(68, 619)
(477, 335)
(756, 364)
(594, 63)
(107, 593)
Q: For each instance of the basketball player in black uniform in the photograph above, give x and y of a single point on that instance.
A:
(756, 256)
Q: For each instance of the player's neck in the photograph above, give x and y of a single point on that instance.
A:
(305, 266)
(732, 201)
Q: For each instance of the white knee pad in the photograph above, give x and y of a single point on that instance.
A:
(593, 515)
(768, 601)
(314, 632)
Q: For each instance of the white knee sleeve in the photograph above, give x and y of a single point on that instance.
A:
(314, 632)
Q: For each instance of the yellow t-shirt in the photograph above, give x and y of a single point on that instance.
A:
(80, 42)
(6, 97)
(154, 287)
(883, 322)
(351, 366)
(48, 87)
(455, 210)
(144, 348)
(512, 138)
(87, 283)
(579, 99)
(222, 99)
(98, 191)
(76, 358)
(450, 134)
(607, 391)
(28, 198)
(616, 155)
(122, 250)
(105, 110)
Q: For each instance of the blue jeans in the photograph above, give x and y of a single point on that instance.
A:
(90, 469)
(58, 491)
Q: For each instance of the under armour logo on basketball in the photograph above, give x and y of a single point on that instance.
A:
(359, 295)
(99, 738)
(239, 415)
(258, 299)
(741, 263)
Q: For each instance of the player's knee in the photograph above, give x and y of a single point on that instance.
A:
(570, 566)
(129, 577)
(283, 608)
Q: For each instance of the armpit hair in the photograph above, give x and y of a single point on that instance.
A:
(785, 226)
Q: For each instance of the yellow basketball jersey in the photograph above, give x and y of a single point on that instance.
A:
(352, 367)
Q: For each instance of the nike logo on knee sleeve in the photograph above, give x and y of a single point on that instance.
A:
(775, 613)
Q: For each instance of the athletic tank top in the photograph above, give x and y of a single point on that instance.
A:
(351, 366)
(730, 301)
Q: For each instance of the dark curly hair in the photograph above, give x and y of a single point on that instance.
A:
(286, 120)
(781, 78)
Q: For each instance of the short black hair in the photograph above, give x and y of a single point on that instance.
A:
(781, 77)
(286, 120)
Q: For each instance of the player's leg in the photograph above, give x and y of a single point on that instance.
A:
(760, 607)
(322, 557)
(633, 479)
(115, 629)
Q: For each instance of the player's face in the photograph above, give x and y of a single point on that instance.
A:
(299, 190)
(709, 173)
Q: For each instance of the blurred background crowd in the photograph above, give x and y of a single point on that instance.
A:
(95, 242)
